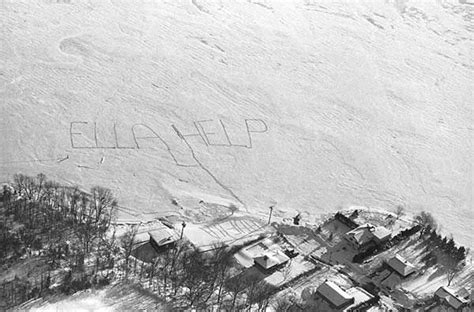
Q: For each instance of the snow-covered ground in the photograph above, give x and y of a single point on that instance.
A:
(309, 105)
(110, 298)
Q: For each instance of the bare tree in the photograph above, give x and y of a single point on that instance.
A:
(170, 269)
(222, 263)
(453, 268)
(197, 276)
(127, 241)
(177, 264)
(259, 294)
(218, 261)
(103, 206)
(236, 287)
(286, 304)
(40, 186)
(426, 220)
(24, 185)
(96, 214)
(399, 211)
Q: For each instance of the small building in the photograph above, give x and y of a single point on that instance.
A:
(401, 266)
(363, 300)
(367, 235)
(334, 295)
(392, 281)
(163, 238)
(271, 261)
(448, 297)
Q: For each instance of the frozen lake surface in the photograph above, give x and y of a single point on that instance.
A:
(309, 105)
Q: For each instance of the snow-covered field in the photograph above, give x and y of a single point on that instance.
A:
(107, 299)
(309, 105)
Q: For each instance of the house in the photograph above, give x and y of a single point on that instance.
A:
(448, 297)
(363, 300)
(271, 261)
(163, 238)
(334, 295)
(367, 235)
(401, 266)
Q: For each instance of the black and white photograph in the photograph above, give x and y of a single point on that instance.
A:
(236, 155)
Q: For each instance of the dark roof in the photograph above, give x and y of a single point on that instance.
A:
(450, 297)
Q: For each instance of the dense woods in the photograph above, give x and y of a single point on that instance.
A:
(53, 234)
(60, 239)
(185, 278)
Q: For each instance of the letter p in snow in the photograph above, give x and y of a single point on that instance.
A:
(255, 126)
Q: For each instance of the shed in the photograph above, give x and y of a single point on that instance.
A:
(334, 295)
(163, 237)
(401, 266)
(449, 297)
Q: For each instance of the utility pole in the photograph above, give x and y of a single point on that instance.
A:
(270, 216)
(182, 229)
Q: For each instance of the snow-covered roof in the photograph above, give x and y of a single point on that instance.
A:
(381, 233)
(271, 259)
(401, 266)
(450, 297)
(360, 295)
(334, 294)
(367, 232)
(163, 236)
(361, 234)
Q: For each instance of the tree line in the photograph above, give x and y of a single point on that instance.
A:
(65, 231)
(436, 245)
(69, 234)
(188, 278)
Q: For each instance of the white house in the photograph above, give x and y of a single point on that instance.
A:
(401, 266)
